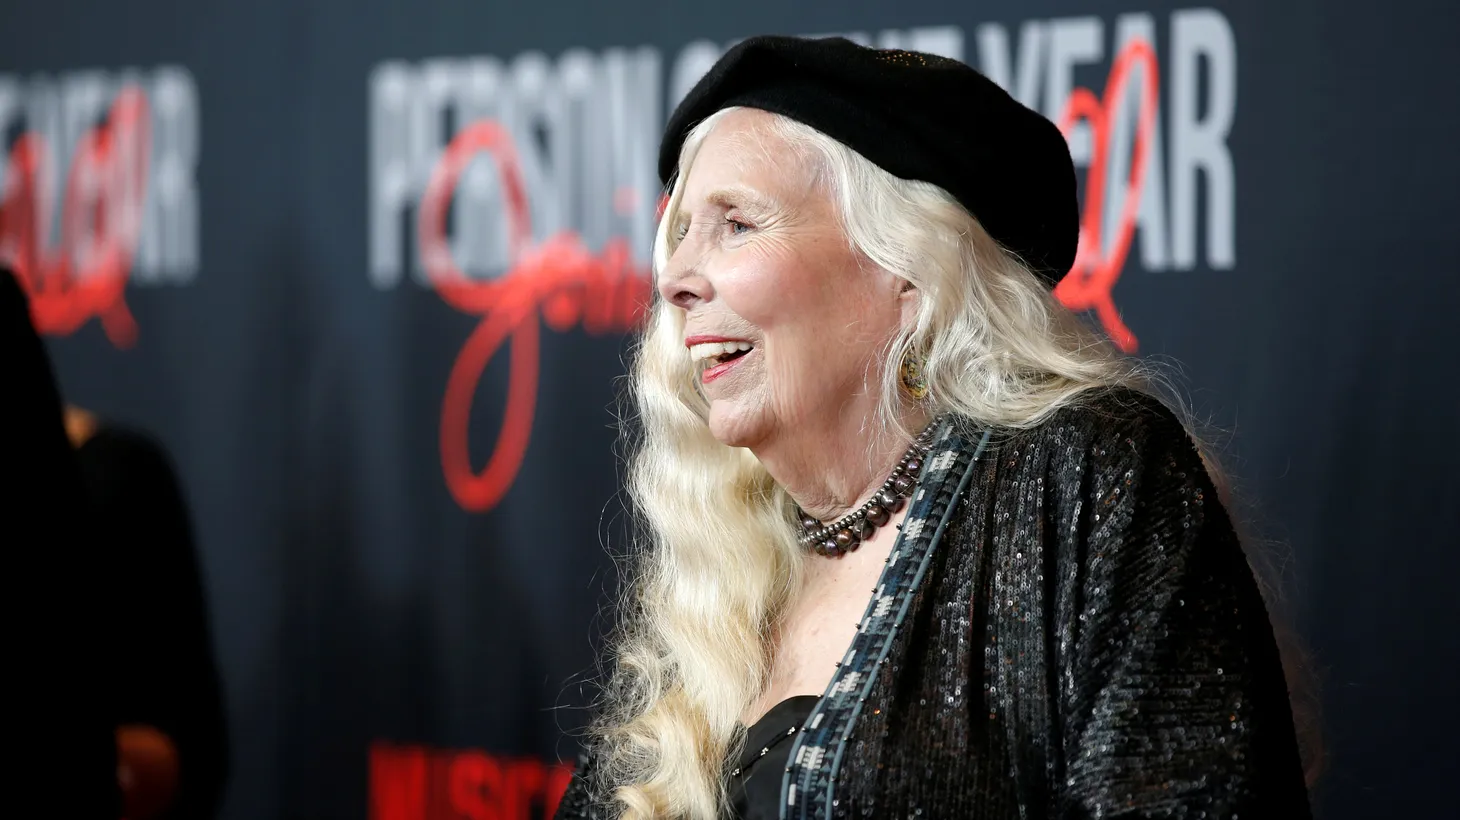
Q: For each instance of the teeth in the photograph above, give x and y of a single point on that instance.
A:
(713, 350)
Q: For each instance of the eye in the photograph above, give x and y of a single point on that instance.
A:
(736, 226)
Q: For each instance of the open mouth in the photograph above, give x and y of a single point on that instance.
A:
(718, 357)
(713, 353)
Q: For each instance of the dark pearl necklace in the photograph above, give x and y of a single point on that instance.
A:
(848, 532)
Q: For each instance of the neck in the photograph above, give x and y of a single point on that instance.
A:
(833, 465)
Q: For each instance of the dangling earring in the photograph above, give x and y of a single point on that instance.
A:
(914, 383)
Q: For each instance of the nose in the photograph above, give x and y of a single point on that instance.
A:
(682, 283)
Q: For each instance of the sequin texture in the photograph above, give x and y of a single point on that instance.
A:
(1085, 639)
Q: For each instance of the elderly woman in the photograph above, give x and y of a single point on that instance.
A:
(915, 543)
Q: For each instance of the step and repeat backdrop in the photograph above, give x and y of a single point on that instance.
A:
(370, 270)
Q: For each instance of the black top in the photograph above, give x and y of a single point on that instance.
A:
(58, 670)
(1067, 628)
(755, 783)
(167, 677)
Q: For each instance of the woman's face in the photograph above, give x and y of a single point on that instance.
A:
(786, 322)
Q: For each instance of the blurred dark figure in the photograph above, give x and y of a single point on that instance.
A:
(60, 671)
(171, 739)
(121, 706)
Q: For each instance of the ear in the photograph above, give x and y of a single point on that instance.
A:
(910, 299)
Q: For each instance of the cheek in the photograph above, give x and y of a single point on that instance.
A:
(834, 303)
(829, 321)
(766, 289)
(816, 308)
(778, 285)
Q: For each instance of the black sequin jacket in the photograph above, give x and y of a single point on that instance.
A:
(1066, 628)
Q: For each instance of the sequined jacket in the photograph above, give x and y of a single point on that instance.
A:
(1066, 628)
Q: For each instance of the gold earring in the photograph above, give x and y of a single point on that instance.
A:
(914, 383)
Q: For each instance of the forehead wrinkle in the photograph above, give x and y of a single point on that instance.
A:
(744, 145)
(782, 159)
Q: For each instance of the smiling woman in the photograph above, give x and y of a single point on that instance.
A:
(759, 258)
(914, 540)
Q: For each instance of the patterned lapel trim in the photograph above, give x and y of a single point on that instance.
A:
(808, 786)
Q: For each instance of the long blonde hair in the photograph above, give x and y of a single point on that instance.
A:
(717, 561)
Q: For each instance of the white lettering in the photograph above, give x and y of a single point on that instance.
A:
(1151, 210)
(479, 217)
(586, 127)
(535, 122)
(430, 131)
(59, 113)
(169, 245)
(42, 117)
(998, 65)
(11, 112)
(1199, 142)
(691, 64)
(587, 155)
(1072, 41)
(584, 131)
(630, 184)
(84, 96)
(391, 192)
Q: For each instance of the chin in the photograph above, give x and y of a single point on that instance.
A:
(736, 426)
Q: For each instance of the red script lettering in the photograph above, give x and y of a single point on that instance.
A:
(85, 275)
(1091, 280)
(559, 281)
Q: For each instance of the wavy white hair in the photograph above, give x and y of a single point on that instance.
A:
(718, 559)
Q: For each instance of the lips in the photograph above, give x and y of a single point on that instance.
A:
(717, 353)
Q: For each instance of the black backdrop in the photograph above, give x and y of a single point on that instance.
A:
(400, 634)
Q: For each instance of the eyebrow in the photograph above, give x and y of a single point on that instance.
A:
(740, 195)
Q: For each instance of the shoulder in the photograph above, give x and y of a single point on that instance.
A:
(1110, 497)
(1129, 493)
(127, 466)
(1116, 414)
(14, 307)
(123, 447)
(1111, 460)
(1106, 429)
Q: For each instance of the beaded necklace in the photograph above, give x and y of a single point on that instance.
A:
(848, 532)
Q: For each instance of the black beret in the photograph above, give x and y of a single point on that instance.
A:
(917, 116)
